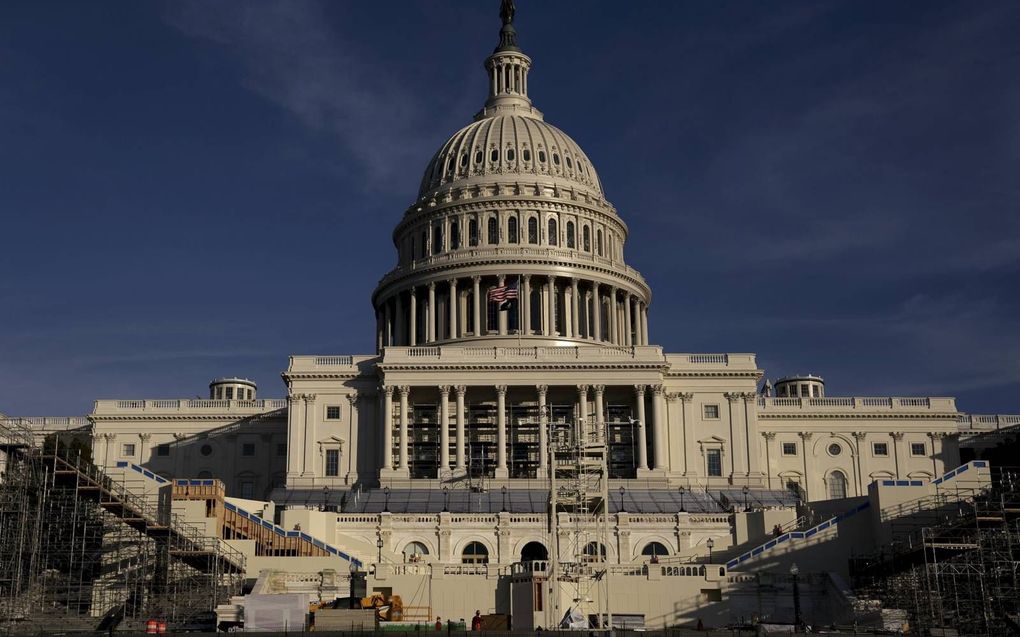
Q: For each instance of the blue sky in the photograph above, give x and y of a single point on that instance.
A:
(197, 189)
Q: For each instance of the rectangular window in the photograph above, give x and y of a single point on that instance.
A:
(918, 449)
(281, 448)
(163, 450)
(332, 462)
(712, 411)
(805, 391)
(230, 393)
(248, 490)
(714, 460)
(333, 412)
(789, 448)
(880, 448)
(127, 449)
(248, 449)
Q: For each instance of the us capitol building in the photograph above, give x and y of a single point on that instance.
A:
(442, 447)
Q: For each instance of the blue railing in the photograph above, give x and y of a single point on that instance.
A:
(278, 530)
(949, 475)
(121, 464)
(797, 535)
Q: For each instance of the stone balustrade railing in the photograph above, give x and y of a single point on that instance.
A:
(985, 422)
(167, 406)
(417, 520)
(881, 403)
(468, 354)
(55, 422)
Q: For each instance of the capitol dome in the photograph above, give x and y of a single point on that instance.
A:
(510, 205)
(511, 147)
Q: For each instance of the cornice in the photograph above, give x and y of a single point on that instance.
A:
(856, 416)
(229, 418)
(495, 366)
(490, 203)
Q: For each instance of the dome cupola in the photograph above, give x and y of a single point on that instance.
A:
(511, 206)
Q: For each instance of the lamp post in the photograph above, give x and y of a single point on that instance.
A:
(354, 578)
(379, 545)
(745, 490)
(325, 498)
(503, 489)
(682, 491)
(710, 544)
(386, 493)
(794, 572)
(446, 499)
(623, 490)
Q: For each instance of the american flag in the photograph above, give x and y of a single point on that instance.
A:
(503, 295)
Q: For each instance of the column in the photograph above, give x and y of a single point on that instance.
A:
(501, 316)
(642, 441)
(637, 322)
(444, 429)
(143, 448)
(582, 410)
(546, 331)
(501, 470)
(644, 324)
(353, 429)
(543, 431)
(453, 308)
(600, 418)
(405, 393)
(751, 433)
(770, 452)
(897, 437)
(476, 299)
(938, 465)
(387, 444)
(550, 325)
(587, 315)
(861, 438)
(399, 316)
(659, 427)
(431, 327)
(809, 464)
(388, 328)
(526, 319)
(737, 453)
(575, 316)
(597, 311)
(307, 465)
(378, 331)
(568, 314)
(686, 399)
(413, 322)
(627, 334)
(461, 445)
(614, 323)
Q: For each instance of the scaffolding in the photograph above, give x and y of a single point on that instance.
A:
(79, 550)
(960, 573)
(579, 517)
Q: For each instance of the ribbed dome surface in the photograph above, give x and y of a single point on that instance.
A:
(513, 146)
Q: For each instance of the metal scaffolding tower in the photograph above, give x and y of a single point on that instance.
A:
(579, 517)
(78, 549)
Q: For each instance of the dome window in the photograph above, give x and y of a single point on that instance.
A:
(478, 157)
(541, 156)
(511, 155)
(493, 231)
(473, 232)
(454, 235)
(586, 237)
(437, 239)
(494, 155)
(463, 160)
(511, 227)
(526, 154)
(598, 242)
(556, 159)
(570, 164)
(554, 238)
(571, 237)
(533, 230)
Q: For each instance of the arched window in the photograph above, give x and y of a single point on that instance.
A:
(454, 234)
(533, 230)
(534, 551)
(475, 553)
(415, 552)
(511, 229)
(655, 549)
(424, 244)
(473, 232)
(571, 237)
(554, 238)
(493, 231)
(586, 235)
(598, 241)
(836, 485)
(594, 552)
(437, 239)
